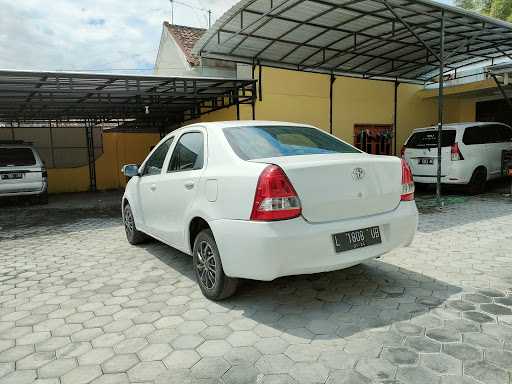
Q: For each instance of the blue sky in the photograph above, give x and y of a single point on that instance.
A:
(98, 35)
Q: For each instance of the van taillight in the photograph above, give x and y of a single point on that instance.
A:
(407, 183)
(275, 197)
(456, 154)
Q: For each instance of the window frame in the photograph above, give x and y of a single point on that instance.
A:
(178, 138)
(144, 165)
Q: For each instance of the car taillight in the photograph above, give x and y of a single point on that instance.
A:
(456, 154)
(275, 197)
(407, 183)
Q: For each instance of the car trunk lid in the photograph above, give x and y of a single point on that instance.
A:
(342, 186)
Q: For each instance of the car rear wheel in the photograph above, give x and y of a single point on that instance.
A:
(477, 183)
(210, 275)
(133, 235)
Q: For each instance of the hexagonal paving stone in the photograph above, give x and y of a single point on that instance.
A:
(182, 359)
(486, 372)
(309, 373)
(489, 292)
(6, 368)
(120, 363)
(337, 360)
(477, 298)
(464, 352)
(441, 363)
(187, 342)
(191, 327)
(375, 369)
(154, 352)
(56, 368)
(52, 344)
(443, 335)
(479, 317)
(504, 301)
(481, 340)
(16, 353)
(496, 309)
(210, 367)
(216, 332)
(416, 375)
(146, 371)
(408, 329)
(35, 360)
(271, 345)
(81, 375)
(33, 338)
(165, 335)
(269, 364)
(74, 349)
(130, 345)
(302, 352)
(463, 325)
(139, 330)
(347, 376)
(500, 358)
(19, 377)
(242, 338)
(96, 356)
(241, 375)
(112, 378)
(400, 355)
(278, 379)
(214, 348)
(461, 305)
(242, 356)
(169, 322)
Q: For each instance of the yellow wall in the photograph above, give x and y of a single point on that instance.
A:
(118, 149)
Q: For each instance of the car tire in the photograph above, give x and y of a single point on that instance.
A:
(208, 269)
(476, 185)
(133, 235)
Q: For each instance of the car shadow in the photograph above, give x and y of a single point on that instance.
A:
(327, 306)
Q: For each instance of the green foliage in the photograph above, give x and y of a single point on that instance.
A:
(499, 9)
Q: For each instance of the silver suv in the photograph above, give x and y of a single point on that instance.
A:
(22, 172)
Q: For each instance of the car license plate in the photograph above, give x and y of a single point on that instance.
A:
(360, 238)
(12, 176)
(426, 161)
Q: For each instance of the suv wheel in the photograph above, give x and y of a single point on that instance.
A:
(210, 275)
(133, 235)
(476, 185)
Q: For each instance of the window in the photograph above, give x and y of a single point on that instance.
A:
(188, 153)
(428, 139)
(275, 141)
(506, 133)
(156, 161)
(17, 157)
(475, 135)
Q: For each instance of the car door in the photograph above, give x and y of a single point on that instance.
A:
(179, 185)
(148, 186)
(495, 147)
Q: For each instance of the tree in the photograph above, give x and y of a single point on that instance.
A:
(499, 9)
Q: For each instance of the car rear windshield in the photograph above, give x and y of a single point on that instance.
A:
(16, 157)
(259, 142)
(428, 139)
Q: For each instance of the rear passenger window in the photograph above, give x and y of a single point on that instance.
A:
(188, 153)
(474, 135)
(16, 157)
(506, 133)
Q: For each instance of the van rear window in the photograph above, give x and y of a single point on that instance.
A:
(20, 157)
(428, 139)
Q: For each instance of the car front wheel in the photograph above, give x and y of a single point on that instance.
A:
(133, 235)
(210, 275)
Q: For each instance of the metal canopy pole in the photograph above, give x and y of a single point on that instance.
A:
(89, 134)
(440, 107)
(331, 91)
(502, 91)
(395, 116)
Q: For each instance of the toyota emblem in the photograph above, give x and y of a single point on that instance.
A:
(358, 173)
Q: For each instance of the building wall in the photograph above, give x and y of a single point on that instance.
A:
(118, 149)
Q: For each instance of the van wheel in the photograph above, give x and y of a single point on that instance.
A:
(210, 275)
(476, 185)
(133, 235)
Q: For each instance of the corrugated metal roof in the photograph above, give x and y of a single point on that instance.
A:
(390, 39)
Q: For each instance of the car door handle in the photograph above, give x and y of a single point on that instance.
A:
(153, 187)
(189, 184)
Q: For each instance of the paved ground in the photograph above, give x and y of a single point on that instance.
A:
(78, 304)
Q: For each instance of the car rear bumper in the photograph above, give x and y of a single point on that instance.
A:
(267, 250)
(24, 190)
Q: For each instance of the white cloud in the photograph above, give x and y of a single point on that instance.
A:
(102, 35)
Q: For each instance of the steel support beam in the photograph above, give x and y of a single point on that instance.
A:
(502, 90)
(395, 104)
(89, 135)
(440, 109)
(331, 94)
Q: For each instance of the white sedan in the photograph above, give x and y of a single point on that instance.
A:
(260, 200)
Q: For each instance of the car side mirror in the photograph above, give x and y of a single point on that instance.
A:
(130, 170)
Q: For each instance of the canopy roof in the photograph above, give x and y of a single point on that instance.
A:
(58, 95)
(388, 39)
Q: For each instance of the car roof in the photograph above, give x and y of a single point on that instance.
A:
(16, 145)
(457, 126)
(243, 123)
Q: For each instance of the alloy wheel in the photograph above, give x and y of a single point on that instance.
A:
(129, 224)
(206, 265)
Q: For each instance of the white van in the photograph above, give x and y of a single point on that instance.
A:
(471, 153)
(22, 172)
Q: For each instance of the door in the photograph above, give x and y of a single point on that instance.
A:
(178, 187)
(148, 186)
(376, 139)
